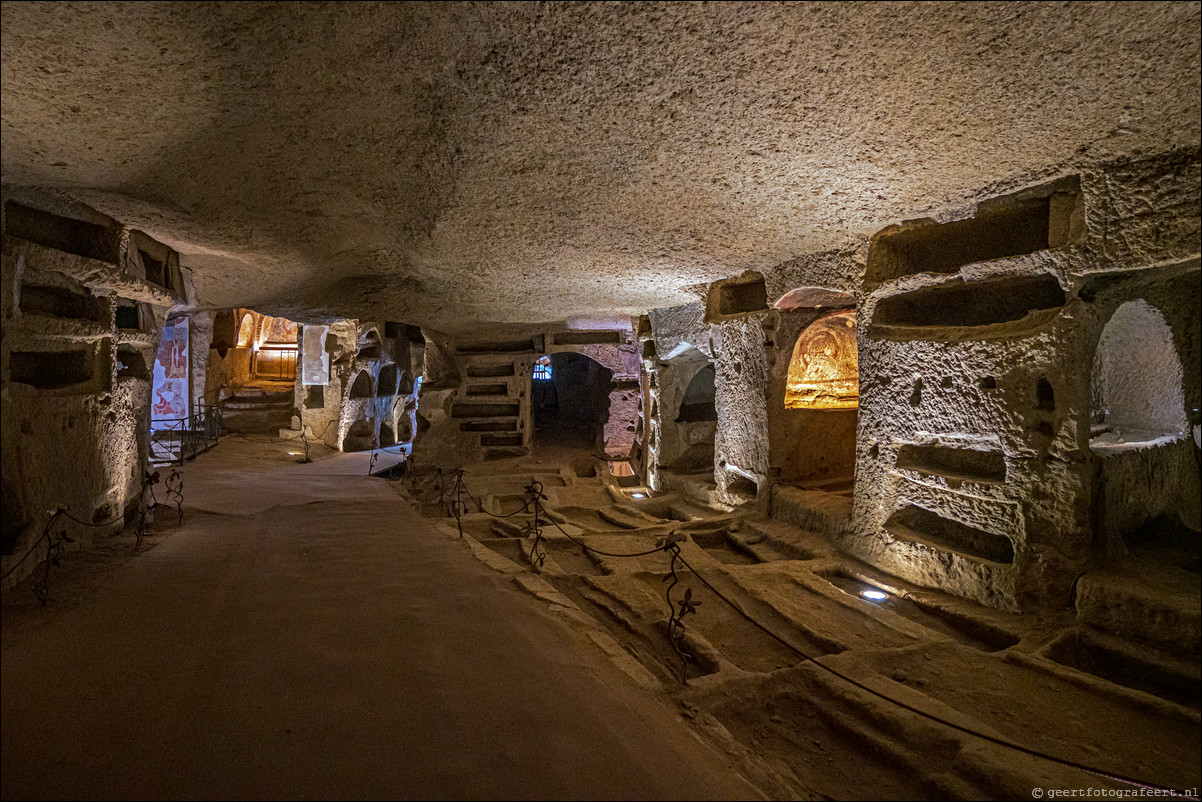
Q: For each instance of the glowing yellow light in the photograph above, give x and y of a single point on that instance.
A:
(824, 371)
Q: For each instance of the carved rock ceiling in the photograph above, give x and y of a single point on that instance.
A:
(448, 164)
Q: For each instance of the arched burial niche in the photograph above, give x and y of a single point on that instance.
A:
(570, 401)
(361, 387)
(824, 371)
(1136, 393)
(687, 413)
(1145, 473)
(387, 437)
(370, 346)
(814, 400)
(388, 381)
(275, 357)
(699, 401)
(246, 331)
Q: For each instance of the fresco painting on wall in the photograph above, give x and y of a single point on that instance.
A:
(315, 361)
(169, 396)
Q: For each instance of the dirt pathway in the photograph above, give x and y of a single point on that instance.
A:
(305, 634)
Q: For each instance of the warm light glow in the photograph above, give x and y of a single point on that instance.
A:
(824, 371)
(874, 595)
(246, 332)
(278, 332)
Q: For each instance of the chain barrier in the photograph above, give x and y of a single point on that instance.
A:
(687, 605)
(55, 541)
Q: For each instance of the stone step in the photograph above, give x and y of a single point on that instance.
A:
(772, 540)
(1156, 604)
(814, 510)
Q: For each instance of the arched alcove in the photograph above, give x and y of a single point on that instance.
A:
(686, 414)
(1145, 472)
(824, 370)
(386, 385)
(360, 436)
(814, 398)
(698, 402)
(1136, 391)
(571, 405)
(246, 330)
(361, 387)
(369, 345)
(387, 437)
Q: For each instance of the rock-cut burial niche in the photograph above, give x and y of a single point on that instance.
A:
(824, 372)
(390, 377)
(699, 399)
(1136, 392)
(361, 388)
(246, 331)
(1144, 467)
(369, 345)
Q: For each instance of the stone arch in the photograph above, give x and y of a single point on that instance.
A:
(684, 432)
(389, 380)
(361, 387)
(700, 397)
(246, 330)
(360, 436)
(824, 369)
(1145, 473)
(370, 345)
(387, 436)
(1137, 389)
(574, 405)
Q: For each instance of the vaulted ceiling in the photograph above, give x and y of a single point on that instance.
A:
(450, 163)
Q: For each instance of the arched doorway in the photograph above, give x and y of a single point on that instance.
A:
(570, 401)
(688, 420)
(1145, 471)
(812, 428)
(275, 358)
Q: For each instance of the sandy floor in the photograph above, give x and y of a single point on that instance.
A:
(305, 634)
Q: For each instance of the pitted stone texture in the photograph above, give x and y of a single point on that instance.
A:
(518, 162)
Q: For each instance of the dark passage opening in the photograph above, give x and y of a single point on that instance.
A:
(571, 406)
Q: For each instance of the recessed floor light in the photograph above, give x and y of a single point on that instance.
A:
(638, 495)
(874, 595)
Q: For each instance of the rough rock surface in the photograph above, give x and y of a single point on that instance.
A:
(527, 162)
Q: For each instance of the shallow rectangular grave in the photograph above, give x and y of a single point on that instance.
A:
(485, 411)
(978, 303)
(489, 426)
(514, 439)
(1122, 663)
(131, 364)
(597, 337)
(954, 463)
(61, 233)
(488, 389)
(38, 299)
(742, 297)
(1005, 227)
(490, 371)
(916, 525)
(499, 347)
(48, 370)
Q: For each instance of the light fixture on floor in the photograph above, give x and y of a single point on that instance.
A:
(638, 495)
(874, 595)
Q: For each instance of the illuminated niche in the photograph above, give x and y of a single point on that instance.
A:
(824, 371)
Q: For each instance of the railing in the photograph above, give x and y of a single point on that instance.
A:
(176, 439)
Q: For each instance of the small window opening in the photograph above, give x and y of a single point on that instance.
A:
(542, 369)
